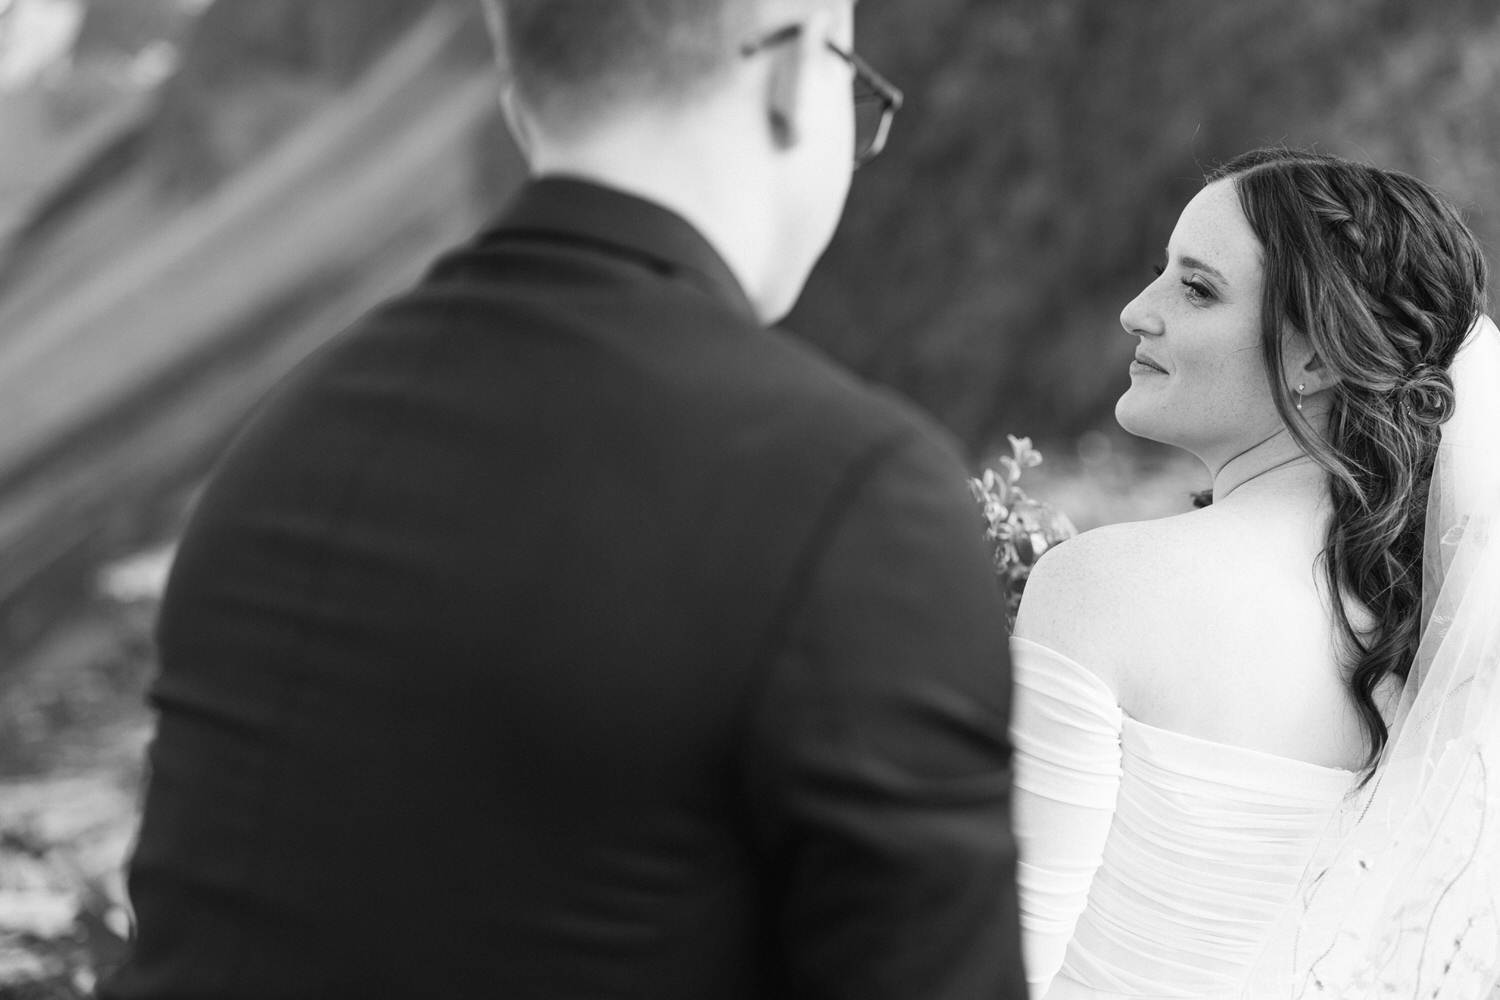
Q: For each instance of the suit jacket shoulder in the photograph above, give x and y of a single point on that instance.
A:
(506, 582)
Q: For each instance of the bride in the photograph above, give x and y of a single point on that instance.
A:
(1251, 739)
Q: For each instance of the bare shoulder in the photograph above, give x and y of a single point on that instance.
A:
(1085, 595)
(1208, 623)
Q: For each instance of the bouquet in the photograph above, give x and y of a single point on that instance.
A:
(1018, 528)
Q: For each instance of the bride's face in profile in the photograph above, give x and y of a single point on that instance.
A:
(1198, 381)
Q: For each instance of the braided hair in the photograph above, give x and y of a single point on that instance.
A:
(1382, 276)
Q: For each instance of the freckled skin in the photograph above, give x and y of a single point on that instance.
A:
(1204, 329)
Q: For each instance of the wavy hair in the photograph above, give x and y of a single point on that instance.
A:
(1384, 278)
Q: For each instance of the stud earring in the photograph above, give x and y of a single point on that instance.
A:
(1301, 387)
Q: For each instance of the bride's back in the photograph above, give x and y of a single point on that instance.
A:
(1191, 785)
(1214, 624)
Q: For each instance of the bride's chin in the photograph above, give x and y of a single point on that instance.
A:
(1133, 422)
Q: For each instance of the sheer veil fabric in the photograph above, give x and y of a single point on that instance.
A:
(1402, 898)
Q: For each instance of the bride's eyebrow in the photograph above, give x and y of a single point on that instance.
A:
(1194, 264)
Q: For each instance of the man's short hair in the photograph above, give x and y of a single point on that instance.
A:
(570, 58)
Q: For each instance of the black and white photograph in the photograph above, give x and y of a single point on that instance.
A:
(749, 499)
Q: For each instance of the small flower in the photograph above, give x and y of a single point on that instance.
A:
(1026, 456)
(997, 487)
(1018, 528)
(993, 495)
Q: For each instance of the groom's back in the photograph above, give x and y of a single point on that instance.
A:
(498, 656)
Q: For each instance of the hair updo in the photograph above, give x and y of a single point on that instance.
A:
(1382, 276)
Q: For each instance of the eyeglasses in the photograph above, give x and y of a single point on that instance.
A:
(876, 99)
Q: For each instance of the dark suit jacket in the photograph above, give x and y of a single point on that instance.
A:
(558, 632)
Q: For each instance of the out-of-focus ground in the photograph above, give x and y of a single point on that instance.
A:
(73, 732)
(150, 291)
(194, 194)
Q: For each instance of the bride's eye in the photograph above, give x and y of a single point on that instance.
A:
(1197, 291)
(1158, 270)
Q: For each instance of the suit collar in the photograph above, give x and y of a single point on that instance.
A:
(587, 212)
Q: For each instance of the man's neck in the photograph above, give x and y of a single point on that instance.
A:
(695, 183)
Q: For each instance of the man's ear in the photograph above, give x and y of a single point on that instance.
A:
(783, 87)
(786, 86)
(515, 118)
(510, 104)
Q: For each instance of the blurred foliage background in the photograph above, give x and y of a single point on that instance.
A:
(196, 193)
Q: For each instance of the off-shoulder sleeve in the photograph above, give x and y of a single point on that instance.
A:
(1065, 727)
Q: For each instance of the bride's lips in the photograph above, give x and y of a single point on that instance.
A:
(1145, 364)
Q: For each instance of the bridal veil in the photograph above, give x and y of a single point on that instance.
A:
(1403, 895)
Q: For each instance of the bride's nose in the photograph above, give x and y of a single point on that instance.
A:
(1139, 317)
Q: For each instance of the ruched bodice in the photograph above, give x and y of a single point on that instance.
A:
(1152, 862)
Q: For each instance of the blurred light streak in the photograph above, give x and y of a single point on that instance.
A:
(35, 35)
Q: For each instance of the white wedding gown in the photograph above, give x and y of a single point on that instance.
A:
(1155, 864)
(1152, 864)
